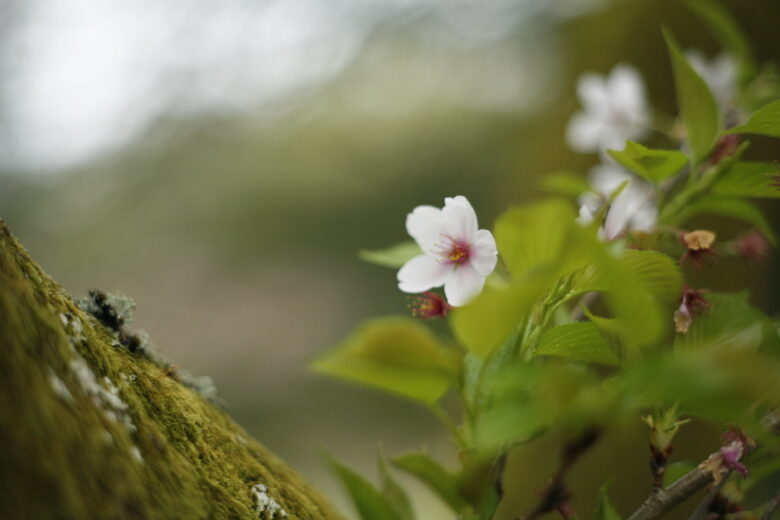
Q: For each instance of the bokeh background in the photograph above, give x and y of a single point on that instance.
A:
(222, 162)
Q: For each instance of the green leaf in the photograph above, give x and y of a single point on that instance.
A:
(764, 121)
(495, 315)
(564, 183)
(638, 286)
(732, 208)
(729, 322)
(430, 472)
(728, 32)
(579, 341)
(394, 256)
(653, 165)
(533, 238)
(697, 107)
(747, 179)
(395, 354)
(369, 502)
(604, 510)
(392, 491)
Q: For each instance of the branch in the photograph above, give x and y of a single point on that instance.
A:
(771, 507)
(662, 500)
(703, 508)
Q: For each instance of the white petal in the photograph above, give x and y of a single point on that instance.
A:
(463, 285)
(484, 253)
(460, 220)
(607, 177)
(583, 133)
(425, 225)
(592, 91)
(586, 215)
(422, 273)
(626, 89)
(617, 217)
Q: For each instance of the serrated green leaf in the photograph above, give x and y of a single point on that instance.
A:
(395, 354)
(653, 165)
(698, 109)
(431, 473)
(532, 238)
(728, 32)
(579, 341)
(733, 208)
(764, 121)
(392, 491)
(394, 256)
(747, 179)
(565, 183)
(495, 315)
(604, 510)
(638, 286)
(729, 322)
(369, 502)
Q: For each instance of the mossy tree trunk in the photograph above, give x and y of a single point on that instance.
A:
(90, 430)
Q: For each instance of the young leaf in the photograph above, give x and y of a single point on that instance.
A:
(579, 341)
(394, 256)
(653, 165)
(394, 493)
(495, 315)
(369, 502)
(604, 510)
(395, 354)
(733, 208)
(728, 32)
(747, 179)
(430, 472)
(729, 322)
(764, 121)
(533, 238)
(697, 106)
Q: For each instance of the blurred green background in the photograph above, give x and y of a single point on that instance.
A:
(222, 162)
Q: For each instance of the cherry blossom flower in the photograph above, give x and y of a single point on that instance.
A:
(632, 210)
(719, 73)
(456, 253)
(614, 110)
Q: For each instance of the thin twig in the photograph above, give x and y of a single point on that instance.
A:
(771, 507)
(662, 500)
(555, 495)
(703, 508)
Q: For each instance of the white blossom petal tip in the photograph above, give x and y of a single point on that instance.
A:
(456, 253)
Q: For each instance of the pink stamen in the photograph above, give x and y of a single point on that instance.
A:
(454, 251)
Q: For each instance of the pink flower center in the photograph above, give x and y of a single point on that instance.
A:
(455, 252)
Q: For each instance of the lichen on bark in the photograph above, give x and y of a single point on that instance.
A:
(90, 430)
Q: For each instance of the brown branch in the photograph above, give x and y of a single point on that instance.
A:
(704, 506)
(555, 495)
(662, 500)
(771, 507)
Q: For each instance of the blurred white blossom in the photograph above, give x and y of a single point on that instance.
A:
(614, 110)
(632, 210)
(720, 74)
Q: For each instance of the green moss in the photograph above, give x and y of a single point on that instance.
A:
(67, 458)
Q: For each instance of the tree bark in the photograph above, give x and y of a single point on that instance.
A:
(89, 429)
